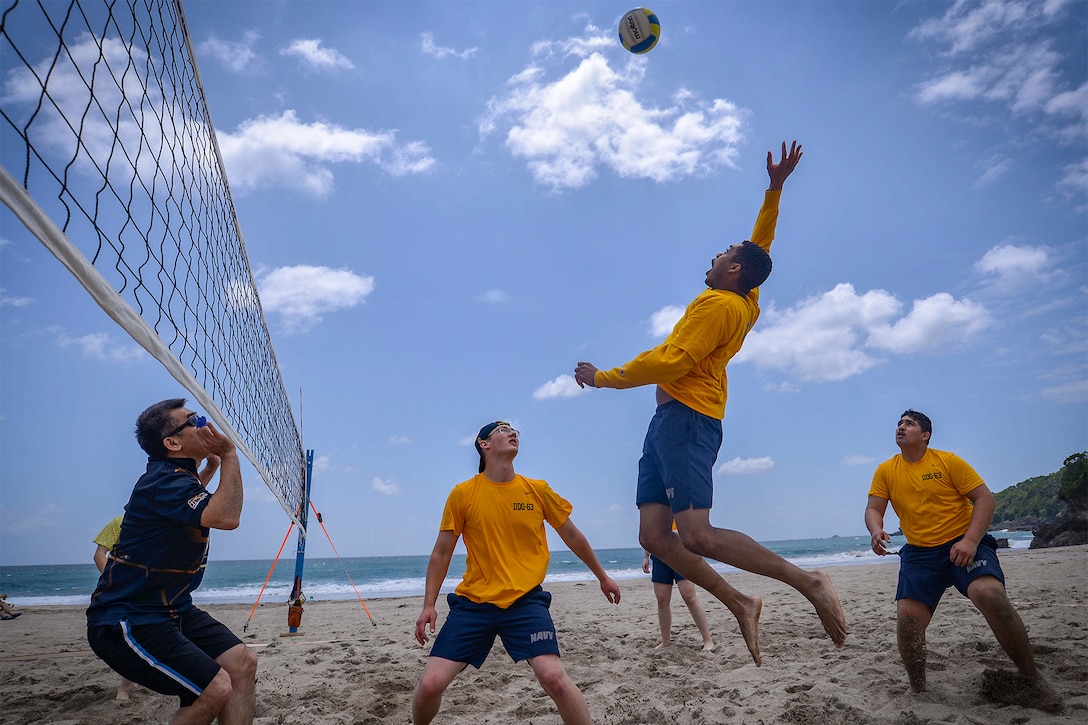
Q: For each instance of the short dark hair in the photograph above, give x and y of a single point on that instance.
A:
(153, 424)
(755, 265)
(921, 419)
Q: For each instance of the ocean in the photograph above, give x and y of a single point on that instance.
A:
(377, 577)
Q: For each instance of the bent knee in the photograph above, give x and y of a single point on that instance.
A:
(988, 593)
(220, 688)
(240, 663)
(697, 541)
(555, 681)
(248, 664)
(430, 687)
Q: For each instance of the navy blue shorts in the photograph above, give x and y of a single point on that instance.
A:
(526, 629)
(174, 658)
(925, 572)
(662, 573)
(678, 455)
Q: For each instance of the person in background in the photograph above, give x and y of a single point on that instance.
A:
(7, 609)
(501, 516)
(945, 510)
(663, 577)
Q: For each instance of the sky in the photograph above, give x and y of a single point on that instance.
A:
(448, 205)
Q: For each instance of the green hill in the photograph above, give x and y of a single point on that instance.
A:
(1029, 503)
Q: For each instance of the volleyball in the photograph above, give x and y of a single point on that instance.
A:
(639, 30)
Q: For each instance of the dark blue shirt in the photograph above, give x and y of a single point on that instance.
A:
(159, 559)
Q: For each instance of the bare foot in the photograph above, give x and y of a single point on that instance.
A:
(707, 646)
(828, 606)
(747, 615)
(663, 645)
(122, 694)
(1013, 688)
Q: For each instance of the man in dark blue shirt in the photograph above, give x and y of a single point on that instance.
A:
(142, 621)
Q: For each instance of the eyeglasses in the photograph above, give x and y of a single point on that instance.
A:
(197, 421)
(504, 429)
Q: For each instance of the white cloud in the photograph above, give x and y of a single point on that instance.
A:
(8, 301)
(857, 460)
(428, 46)
(1010, 262)
(662, 321)
(820, 339)
(270, 151)
(103, 347)
(745, 466)
(311, 53)
(1003, 52)
(495, 296)
(840, 333)
(386, 488)
(399, 440)
(1074, 181)
(562, 387)
(933, 323)
(569, 127)
(995, 169)
(301, 295)
(237, 57)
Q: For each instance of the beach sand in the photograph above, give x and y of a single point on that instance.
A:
(346, 670)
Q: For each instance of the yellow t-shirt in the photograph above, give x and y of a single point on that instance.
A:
(503, 529)
(110, 533)
(690, 364)
(930, 496)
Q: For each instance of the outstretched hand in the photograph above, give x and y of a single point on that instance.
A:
(780, 171)
(584, 373)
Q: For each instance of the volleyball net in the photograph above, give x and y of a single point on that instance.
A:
(110, 160)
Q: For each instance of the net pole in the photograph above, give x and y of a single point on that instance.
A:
(294, 608)
(39, 224)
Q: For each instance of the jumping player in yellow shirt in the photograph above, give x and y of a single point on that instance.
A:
(501, 516)
(676, 471)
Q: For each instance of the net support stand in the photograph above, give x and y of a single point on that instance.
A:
(297, 599)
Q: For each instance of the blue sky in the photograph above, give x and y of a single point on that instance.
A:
(447, 205)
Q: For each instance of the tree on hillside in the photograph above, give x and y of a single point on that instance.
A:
(1070, 528)
(1074, 480)
(1029, 503)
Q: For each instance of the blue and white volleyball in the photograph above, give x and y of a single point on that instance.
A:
(639, 30)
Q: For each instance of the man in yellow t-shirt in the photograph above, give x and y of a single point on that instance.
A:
(945, 510)
(676, 471)
(500, 514)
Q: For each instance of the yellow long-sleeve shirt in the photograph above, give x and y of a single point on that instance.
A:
(690, 364)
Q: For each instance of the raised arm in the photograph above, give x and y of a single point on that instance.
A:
(437, 567)
(576, 541)
(780, 171)
(211, 465)
(224, 509)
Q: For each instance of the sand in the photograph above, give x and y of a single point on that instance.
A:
(346, 670)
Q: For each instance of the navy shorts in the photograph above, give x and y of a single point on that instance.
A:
(678, 455)
(526, 629)
(662, 573)
(173, 658)
(925, 572)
